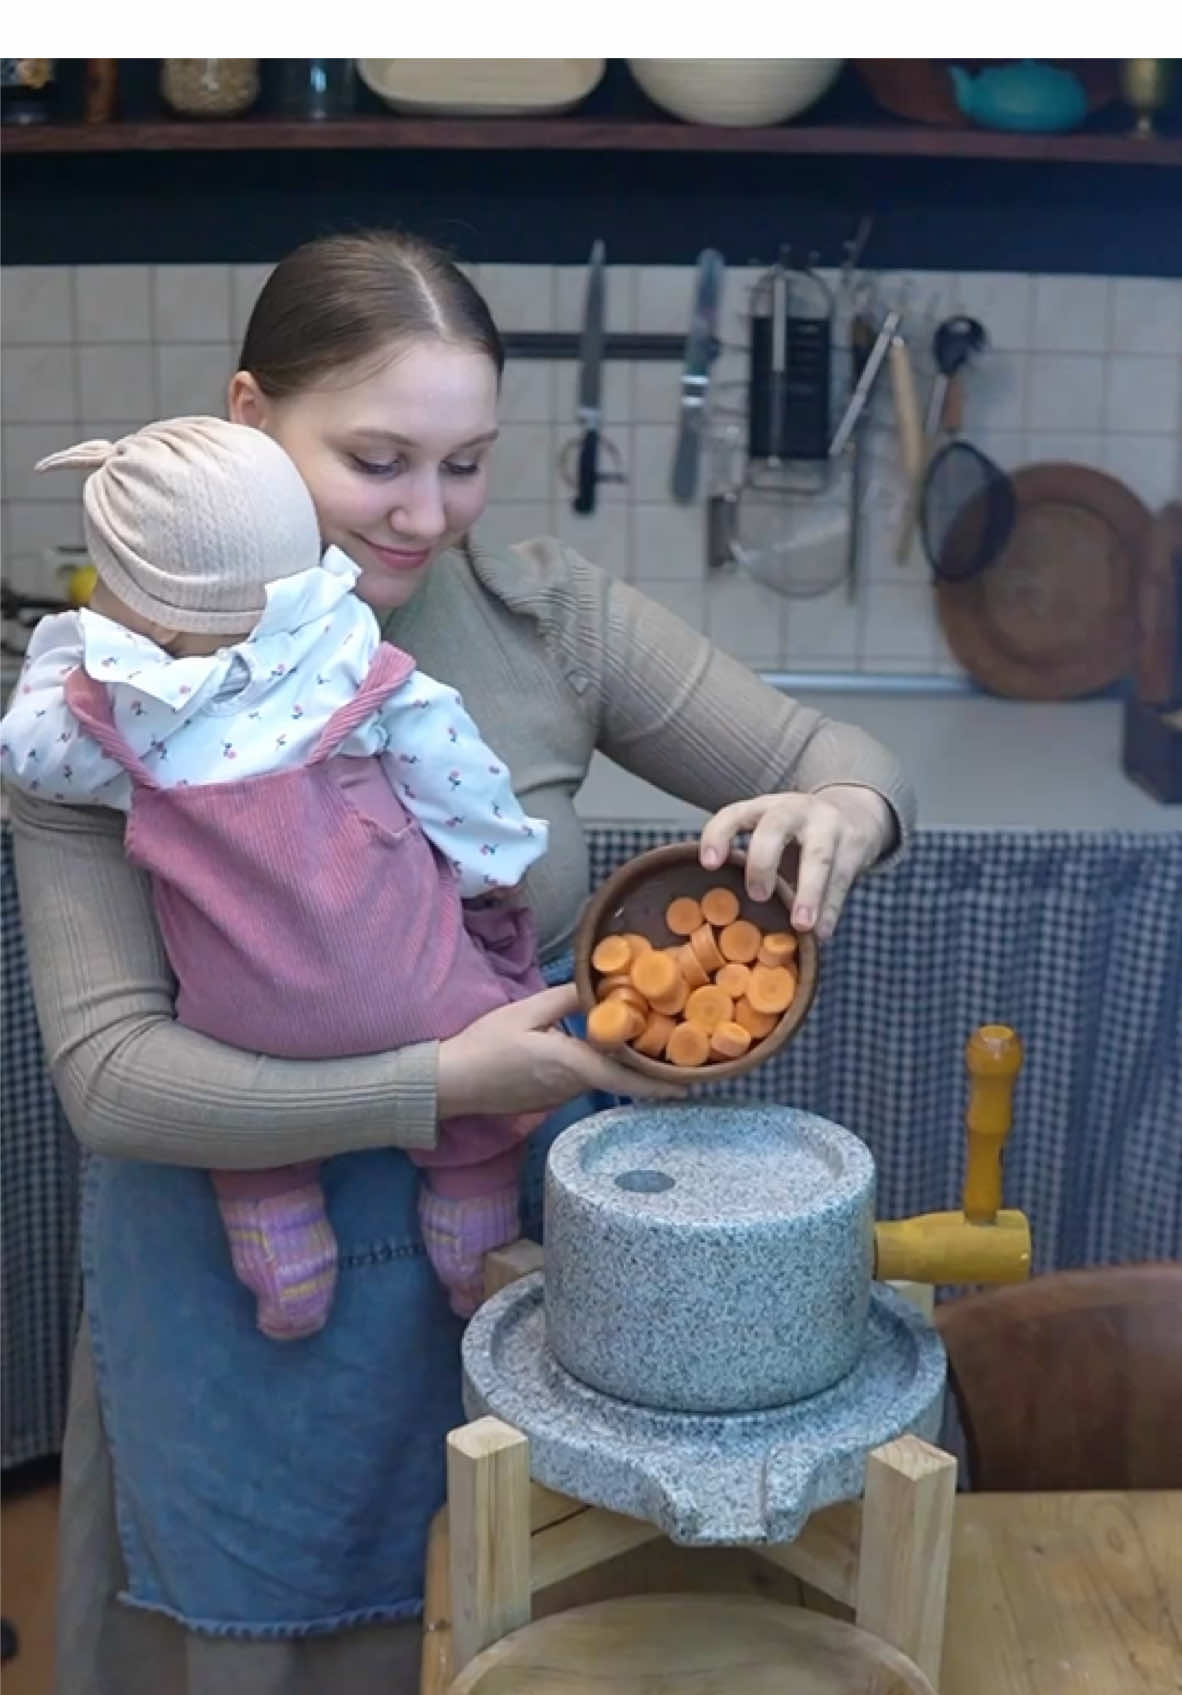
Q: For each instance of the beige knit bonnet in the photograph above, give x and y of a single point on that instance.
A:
(188, 520)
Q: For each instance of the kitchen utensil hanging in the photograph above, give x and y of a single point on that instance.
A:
(955, 343)
(788, 397)
(967, 512)
(1053, 617)
(789, 526)
(701, 349)
(579, 459)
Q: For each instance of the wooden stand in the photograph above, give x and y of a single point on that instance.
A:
(502, 1540)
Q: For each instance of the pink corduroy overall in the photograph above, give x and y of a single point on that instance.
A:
(307, 916)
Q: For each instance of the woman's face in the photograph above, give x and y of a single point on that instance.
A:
(396, 461)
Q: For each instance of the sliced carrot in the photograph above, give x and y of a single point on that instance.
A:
(688, 1044)
(612, 1023)
(772, 987)
(637, 942)
(733, 979)
(617, 980)
(720, 906)
(612, 954)
(630, 996)
(690, 966)
(675, 1000)
(703, 943)
(777, 947)
(683, 915)
(740, 941)
(760, 1024)
(655, 1035)
(654, 974)
(709, 1007)
(729, 1040)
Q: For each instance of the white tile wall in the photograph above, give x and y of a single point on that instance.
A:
(1082, 368)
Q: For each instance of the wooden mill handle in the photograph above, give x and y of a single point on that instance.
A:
(993, 1057)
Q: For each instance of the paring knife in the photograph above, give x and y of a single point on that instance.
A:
(589, 398)
(701, 347)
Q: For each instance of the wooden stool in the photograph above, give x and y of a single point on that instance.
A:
(502, 1540)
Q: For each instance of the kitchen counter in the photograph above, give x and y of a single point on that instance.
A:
(976, 762)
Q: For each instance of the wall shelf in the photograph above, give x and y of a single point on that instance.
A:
(584, 134)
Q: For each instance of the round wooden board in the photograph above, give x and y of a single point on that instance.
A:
(709, 1644)
(1052, 618)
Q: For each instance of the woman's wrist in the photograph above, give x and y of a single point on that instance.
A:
(452, 1085)
(874, 808)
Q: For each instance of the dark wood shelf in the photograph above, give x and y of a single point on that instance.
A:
(605, 135)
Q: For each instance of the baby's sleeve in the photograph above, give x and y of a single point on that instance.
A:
(448, 777)
(43, 748)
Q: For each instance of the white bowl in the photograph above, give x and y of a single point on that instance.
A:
(735, 91)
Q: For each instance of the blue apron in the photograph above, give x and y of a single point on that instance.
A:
(268, 1490)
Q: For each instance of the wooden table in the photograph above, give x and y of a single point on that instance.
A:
(1055, 1594)
(1065, 1594)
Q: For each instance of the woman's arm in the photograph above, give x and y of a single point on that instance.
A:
(687, 717)
(136, 1084)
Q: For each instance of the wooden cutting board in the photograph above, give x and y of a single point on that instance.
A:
(1157, 658)
(1053, 617)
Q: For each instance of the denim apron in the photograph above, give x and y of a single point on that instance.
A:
(265, 1490)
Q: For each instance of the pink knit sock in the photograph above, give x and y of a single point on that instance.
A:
(459, 1232)
(282, 1246)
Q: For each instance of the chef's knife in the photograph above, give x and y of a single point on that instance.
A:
(701, 347)
(590, 383)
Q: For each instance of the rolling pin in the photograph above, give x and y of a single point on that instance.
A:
(910, 427)
(984, 1242)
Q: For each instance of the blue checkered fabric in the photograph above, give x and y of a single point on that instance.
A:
(39, 1211)
(1074, 939)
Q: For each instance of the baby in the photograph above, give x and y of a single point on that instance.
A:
(332, 848)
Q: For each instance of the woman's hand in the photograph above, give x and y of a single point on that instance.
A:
(834, 833)
(513, 1060)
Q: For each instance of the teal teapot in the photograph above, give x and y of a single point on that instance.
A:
(1025, 96)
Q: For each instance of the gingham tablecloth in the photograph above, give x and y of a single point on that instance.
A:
(1074, 938)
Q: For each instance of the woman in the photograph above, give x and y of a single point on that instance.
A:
(263, 1510)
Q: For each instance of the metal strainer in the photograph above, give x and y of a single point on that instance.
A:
(967, 512)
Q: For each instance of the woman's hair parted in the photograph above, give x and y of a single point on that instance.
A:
(342, 299)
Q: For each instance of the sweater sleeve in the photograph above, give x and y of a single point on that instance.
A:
(682, 714)
(134, 1083)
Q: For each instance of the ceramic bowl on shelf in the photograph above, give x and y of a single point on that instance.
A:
(634, 900)
(481, 88)
(735, 91)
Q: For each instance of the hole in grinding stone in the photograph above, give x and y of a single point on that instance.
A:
(645, 1182)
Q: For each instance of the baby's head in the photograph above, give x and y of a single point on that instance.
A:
(187, 521)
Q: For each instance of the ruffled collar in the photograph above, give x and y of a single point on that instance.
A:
(290, 625)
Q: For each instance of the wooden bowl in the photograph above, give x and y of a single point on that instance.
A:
(634, 899)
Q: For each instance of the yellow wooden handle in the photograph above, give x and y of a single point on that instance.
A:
(942, 1247)
(993, 1056)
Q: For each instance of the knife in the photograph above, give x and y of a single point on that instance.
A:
(590, 383)
(701, 347)
(868, 359)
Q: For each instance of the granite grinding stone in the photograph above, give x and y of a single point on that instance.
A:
(707, 1257)
(739, 1477)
